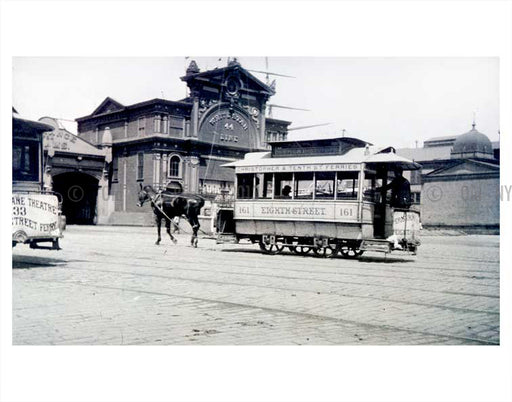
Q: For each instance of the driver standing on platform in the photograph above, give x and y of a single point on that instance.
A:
(400, 197)
(400, 190)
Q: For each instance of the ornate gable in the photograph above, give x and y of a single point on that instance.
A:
(109, 105)
(229, 78)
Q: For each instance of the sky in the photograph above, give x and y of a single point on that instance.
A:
(386, 101)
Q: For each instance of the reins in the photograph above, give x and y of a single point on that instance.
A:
(153, 202)
(162, 211)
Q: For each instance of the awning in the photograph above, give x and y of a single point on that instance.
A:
(391, 159)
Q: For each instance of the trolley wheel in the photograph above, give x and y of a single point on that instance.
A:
(350, 252)
(327, 252)
(301, 250)
(296, 248)
(270, 248)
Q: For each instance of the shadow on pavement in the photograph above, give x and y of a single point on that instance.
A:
(25, 262)
(242, 250)
(384, 259)
(363, 259)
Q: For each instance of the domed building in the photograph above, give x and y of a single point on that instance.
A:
(472, 144)
(459, 184)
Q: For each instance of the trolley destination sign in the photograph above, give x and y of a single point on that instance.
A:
(318, 211)
(35, 214)
(314, 167)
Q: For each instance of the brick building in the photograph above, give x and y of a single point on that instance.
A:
(179, 145)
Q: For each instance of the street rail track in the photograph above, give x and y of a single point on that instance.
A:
(308, 315)
(290, 289)
(192, 266)
(428, 300)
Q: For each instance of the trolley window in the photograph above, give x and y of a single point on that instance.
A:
(25, 160)
(369, 185)
(304, 185)
(245, 186)
(283, 185)
(325, 185)
(347, 185)
(264, 185)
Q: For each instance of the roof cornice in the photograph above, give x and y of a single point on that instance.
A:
(135, 106)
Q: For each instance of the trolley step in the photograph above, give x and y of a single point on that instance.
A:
(229, 238)
(382, 246)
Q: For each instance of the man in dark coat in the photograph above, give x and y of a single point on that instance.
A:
(400, 190)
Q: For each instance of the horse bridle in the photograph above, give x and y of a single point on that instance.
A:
(147, 196)
(141, 203)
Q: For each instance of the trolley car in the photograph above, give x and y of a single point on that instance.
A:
(319, 196)
(35, 211)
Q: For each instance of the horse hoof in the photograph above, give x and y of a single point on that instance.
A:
(157, 243)
(175, 241)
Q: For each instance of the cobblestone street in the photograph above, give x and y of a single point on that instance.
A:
(113, 286)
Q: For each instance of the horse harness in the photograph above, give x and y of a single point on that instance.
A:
(154, 202)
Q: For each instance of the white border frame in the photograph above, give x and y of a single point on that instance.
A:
(450, 28)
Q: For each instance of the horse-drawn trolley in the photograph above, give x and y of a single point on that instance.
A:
(325, 197)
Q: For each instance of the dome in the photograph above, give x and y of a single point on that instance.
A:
(472, 144)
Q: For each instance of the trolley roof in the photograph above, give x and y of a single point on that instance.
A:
(26, 126)
(350, 160)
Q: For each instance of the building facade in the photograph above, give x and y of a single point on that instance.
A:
(179, 145)
(76, 170)
(459, 183)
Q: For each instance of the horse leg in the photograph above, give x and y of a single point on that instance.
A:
(194, 222)
(168, 227)
(158, 220)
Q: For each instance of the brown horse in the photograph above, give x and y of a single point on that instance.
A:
(167, 206)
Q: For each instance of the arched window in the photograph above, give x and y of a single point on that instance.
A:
(175, 166)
